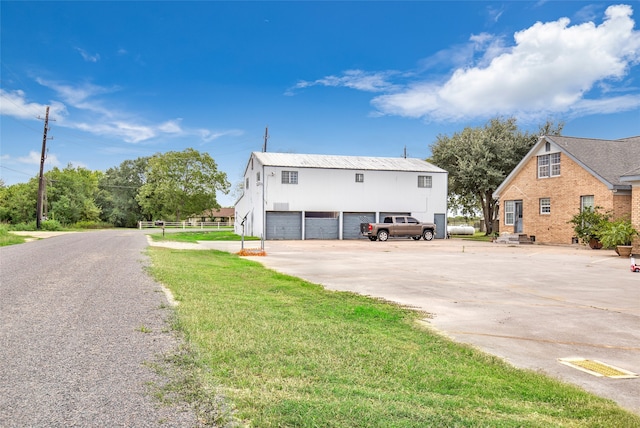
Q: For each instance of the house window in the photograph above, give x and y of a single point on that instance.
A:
(289, 177)
(359, 178)
(246, 184)
(258, 177)
(545, 205)
(509, 212)
(549, 165)
(587, 201)
(424, 181)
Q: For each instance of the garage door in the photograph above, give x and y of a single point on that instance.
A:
(321, 228)
(351, 224)
(284, 225)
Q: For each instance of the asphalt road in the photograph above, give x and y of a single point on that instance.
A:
(79, 320)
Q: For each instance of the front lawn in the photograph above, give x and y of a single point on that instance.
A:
(283, 352)
(210, 235)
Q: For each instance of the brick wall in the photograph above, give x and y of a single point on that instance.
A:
(635, 216)
(565, 192)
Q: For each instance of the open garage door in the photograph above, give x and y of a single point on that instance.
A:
(321, 225)
(351, 224)
(284, 225)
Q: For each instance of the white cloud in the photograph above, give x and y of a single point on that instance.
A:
(355, 79)
(33, 158)
(129, 132)
(171, 127)
(81, 96)
(207, 135)
(551, 69)
(91, 114)
(88, 57)
(15, 104)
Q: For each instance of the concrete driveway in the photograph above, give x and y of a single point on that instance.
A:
(530, 305)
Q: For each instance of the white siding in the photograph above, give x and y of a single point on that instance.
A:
(335, 189)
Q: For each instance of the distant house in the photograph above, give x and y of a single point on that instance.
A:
(302, 196)
(562, 175)
(222, 215)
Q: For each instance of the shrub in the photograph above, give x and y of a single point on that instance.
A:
(614, 233)
(91, 225)
(50, 225)
(588, 222)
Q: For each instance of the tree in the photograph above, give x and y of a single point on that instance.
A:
(181, 183)
(18, 202)
(479, 159)
(118, 189)
(71, 194)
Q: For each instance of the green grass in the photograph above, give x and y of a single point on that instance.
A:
(478, 236)
(8, 238)
(212, 235)
(283, 352)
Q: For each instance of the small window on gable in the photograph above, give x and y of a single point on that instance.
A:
(549, 165)
(258, 177)
(359, 177)
(289, 177)
(425, 181)
(547, 147)
(545, 205)
(246, 184)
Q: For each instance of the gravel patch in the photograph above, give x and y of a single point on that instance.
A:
(81, 325)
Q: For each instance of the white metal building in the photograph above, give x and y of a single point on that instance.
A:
(295, 196)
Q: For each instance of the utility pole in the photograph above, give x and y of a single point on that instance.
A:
(266, 137)
(41, 177)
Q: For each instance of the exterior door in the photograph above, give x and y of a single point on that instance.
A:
(441, 225)
(517, 225)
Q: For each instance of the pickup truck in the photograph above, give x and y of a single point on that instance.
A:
(398, 226)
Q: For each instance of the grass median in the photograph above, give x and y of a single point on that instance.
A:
(285, 352)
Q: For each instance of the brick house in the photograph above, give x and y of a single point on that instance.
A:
(560, 176)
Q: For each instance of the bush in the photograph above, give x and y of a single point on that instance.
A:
(50, 225)
(19, 227)
(91, 225)
(614, 233)
(588, 222)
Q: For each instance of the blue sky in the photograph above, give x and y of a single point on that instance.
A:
(130, 79)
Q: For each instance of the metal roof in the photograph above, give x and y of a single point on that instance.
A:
(291, 160)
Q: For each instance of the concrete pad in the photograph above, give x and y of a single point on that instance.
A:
(530, 305)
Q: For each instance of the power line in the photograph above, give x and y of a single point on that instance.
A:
(15, 170)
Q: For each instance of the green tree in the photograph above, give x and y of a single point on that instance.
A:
(18, 202)
(118, 189)
(71, 194)
(479, 159)
(181, 183)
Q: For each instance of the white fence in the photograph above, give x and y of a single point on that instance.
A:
(185, 224)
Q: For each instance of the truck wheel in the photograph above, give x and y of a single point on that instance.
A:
(383, 235)
(373, 238)
(428, 235)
